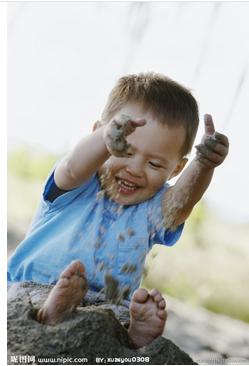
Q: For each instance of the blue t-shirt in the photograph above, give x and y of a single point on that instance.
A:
(83, 224)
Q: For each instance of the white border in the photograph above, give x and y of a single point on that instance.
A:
(3, 177)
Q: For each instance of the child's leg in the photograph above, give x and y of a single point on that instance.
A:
(147, 316)
(65, 296)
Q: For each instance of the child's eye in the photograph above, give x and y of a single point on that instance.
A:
(154, 165)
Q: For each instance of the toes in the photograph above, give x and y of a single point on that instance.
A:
(75, 267)
(75, 274)
(80, 269)
(158, 298)
(162, 314)
(140, 295)
(162, 304)
(156, 295)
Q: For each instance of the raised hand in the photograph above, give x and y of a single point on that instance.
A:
(117, 130)
(214, 146)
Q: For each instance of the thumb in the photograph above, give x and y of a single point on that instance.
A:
(132, 124)
(138, 122)
(209, 124)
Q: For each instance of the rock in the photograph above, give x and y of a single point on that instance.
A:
(93, 331)
(207, 337)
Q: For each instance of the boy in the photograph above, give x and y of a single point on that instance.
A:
(106, 203)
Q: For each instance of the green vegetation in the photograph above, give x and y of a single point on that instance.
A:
(27, 170)
(30, 164)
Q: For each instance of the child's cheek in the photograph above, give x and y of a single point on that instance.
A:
(157, 181)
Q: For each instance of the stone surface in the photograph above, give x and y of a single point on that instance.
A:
(93, 331)
(207, 337)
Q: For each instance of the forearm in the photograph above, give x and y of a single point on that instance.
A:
(83, 161)
(187, 191)
(192, 184)
(179, 200)
(92, 151)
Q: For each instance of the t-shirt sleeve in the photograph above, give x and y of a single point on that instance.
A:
(158, 233)
(51, 191)
(55, 198)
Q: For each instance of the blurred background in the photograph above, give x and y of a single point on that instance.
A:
(63, 59)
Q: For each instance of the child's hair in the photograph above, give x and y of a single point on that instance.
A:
(167, 100)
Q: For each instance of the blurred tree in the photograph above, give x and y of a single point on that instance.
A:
(29, 163)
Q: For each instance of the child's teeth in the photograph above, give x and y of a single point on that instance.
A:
(128, 185)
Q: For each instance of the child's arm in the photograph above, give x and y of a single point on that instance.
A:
(92, 151)
(180, 199)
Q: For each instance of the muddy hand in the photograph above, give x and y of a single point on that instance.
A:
(214, 146)
(116, 132)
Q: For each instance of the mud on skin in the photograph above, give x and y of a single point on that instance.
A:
(207, 148)
(116, 132)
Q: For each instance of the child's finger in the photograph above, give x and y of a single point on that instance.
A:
(216, 146)
(132, 124)
(205, 161)
(205, 152)
(221, 138)
(138, 122)
(209, 124)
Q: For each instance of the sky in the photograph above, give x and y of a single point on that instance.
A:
(64, 58)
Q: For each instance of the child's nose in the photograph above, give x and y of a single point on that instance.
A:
(135, 167)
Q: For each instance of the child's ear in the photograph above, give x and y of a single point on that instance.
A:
(96, 125)
(181, 164)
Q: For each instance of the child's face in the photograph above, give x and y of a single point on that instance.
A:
(155, 158)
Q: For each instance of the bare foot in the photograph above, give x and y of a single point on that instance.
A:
(147, 316)
(65, 296)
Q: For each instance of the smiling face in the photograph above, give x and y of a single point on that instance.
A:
(154, 158)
